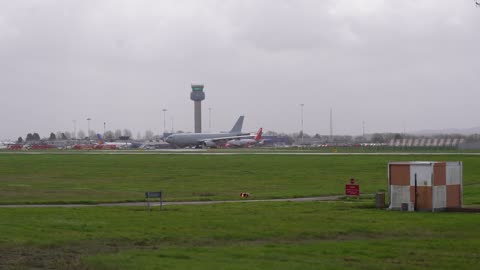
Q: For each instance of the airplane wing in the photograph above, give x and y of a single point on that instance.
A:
(212, 142)
(226, 138)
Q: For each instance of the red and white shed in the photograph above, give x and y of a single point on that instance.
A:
(425, 185)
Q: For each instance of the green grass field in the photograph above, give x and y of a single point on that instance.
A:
(284, 235)
(266, 235)
(353, 149)
(115, 178)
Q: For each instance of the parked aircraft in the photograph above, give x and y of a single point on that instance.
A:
(246, 142)
(111, 145)
(207, 139)
(83, 146)
(10, 145)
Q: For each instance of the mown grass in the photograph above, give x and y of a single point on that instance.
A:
(355, 254)
(353, 149)
(282, 235)
(107, 178)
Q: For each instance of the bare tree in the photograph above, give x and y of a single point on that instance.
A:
(271, 133)
(378, 138)
(127, 133)
(81, 134)
(68, 135)
(92, 134)
(148, 135)
(118, 133)
(109, 135)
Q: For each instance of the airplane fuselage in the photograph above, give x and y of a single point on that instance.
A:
(197, 139)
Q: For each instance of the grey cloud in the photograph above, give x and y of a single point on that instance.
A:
(385, 62)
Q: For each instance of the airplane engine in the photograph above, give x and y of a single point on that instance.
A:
(210, 144)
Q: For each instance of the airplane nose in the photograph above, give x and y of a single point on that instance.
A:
(169, 139)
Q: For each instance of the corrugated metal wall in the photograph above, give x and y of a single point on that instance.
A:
(439, 184)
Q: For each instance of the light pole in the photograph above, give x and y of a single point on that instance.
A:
(88, 123)
(74, 129)
(104, 129)
(210, 119)
(331, 126)
(363, 129)
(164, 123)
(172, 124)
(301, 109)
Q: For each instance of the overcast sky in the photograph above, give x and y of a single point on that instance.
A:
(392, 64)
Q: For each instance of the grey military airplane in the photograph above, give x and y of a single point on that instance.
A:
(207, 139)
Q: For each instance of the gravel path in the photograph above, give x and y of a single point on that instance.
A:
(322, 198)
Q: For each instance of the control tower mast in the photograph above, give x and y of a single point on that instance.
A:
(197, 95)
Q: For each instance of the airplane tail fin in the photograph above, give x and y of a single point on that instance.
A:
(238, 125)
(259, 135)
(100, 139)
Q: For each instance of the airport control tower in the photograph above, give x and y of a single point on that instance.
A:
(197, 96)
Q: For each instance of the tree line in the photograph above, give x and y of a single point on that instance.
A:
(110, 135)
(125, 134)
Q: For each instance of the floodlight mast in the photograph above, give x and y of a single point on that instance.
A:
(88, 122)
(301, 120)
(164, 121)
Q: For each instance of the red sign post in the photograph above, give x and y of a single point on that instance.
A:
(352, 189)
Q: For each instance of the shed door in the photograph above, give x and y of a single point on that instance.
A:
(424, 197)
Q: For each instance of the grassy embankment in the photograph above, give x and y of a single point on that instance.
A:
(107, 178)
(286, 235)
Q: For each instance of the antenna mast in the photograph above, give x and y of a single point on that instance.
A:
(331, 126)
